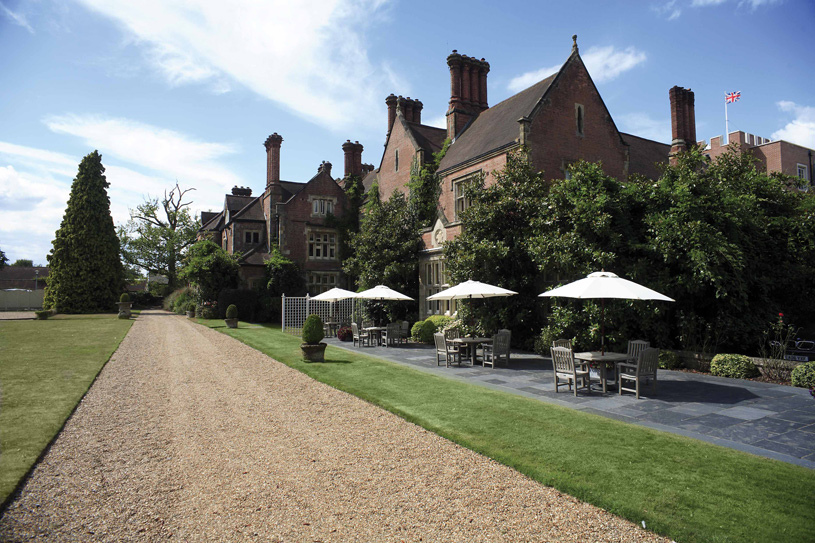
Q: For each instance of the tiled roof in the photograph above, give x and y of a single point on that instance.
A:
(254, 257)
(252, 211)
(429, 138)
(215, 223)
(22, 277)
(496, 127)
(643, 155)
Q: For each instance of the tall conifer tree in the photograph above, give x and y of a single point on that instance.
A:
(86, 271)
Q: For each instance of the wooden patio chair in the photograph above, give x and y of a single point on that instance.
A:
(644, 370)
(392, 334)
(566, 372)
(404, 332)
(498, 350)
(444, 348)
(359, 337)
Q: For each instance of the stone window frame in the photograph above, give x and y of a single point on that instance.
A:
(326, 204)
(321, 246)
(457, 186)
(580, 119)
(434, 279)
(251, 234)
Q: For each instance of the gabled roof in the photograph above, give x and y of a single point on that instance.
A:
(254, 257)
(290, 188)
(428, 138)
(368, 180)
(252, 211)
(215, 223)
(496, 127)
(643, 154)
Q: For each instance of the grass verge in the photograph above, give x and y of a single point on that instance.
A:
(685, 489)
(46, 367)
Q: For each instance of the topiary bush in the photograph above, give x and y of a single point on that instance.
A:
(803, 375)
(313, 330)
(125, 297)
(345, 333)
(669, 360)
(42, 315)
(440, 321)
(737, 366)
(191, 307)
(232, 312)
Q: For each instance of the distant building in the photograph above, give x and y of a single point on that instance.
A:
(293, 215)
(27, 278)
(774, 156)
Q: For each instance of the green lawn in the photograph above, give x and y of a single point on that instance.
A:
(45, 369)
(682, 488)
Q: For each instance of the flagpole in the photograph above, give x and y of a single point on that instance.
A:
(726, 124)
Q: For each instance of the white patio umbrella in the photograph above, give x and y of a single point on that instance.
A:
(601, 285)
(335, 295)
(381, 292)
(471, 290)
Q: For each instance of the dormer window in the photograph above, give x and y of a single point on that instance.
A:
(579, 118)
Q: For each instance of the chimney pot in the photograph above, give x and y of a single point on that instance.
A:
(272, 145)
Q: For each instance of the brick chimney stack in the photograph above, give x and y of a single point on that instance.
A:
(272, 145)
(391, 102)
(417, 111)
(683, 121)
(468, 91)
(353, 158)
(325, 166)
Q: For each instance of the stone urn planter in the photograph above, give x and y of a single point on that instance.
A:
(313, 333)
(231, 319)
(124, 304)
(191, 311)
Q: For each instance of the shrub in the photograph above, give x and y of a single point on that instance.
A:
(441, 321)
(426, 332)
(144, 299)
(42, 315)
(191, 308)
(232, 312)
(669, 360)
(415, 330)
(313, 330)
(803, 375)
(179, 300)
(345, 333)
(206, 312)
(169, 301)
(125, 297)
(737, 366)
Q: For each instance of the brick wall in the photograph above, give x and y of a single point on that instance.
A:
(391, 179)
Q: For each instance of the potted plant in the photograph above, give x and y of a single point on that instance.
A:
(313, 333)
(231, 319)
(124, 304)
(191, 311)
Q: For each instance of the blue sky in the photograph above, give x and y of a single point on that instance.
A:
(188, 91)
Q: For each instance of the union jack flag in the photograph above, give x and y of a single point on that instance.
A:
(731, 97)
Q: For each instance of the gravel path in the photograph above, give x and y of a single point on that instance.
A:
(192, 436)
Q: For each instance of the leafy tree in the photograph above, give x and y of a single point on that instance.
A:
(158, 234)
(3, 260)
(210, 269)
(86, 270)
(348, 225)
(283, 275)
(23, 263)
(494, 247)
(386, 250)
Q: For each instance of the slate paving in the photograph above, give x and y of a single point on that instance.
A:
(774, 421)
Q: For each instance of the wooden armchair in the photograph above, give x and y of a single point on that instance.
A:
(644, 370)
(566, 372)
(443, 348)
(359, 337)
(498, 350)
(404, 331)
(392, 334)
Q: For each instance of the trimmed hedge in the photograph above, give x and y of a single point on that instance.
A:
(423, 331)
(803, 375)
(231, 312)
(737, 366)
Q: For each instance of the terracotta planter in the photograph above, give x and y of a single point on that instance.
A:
(231, 323)
(190, 314)
(124, 309)
(313, 353)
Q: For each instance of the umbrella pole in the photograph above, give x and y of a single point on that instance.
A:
(602, 327)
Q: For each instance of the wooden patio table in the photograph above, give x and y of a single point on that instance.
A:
(601, 360)
(471, 344)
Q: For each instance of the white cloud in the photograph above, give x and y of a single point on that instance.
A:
(642, 125)
(668, 9)
(16, 18)
(801, 129)
(308, 55)
(603, 64)
(705, 3)
(439, 121)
